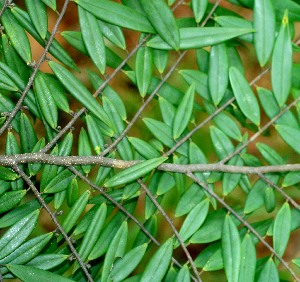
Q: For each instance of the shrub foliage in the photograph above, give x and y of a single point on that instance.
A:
(200, 182)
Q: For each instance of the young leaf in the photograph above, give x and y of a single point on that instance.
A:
(163, 21)
(159, 263)
(33, 274)
(244, 96)
(134, 172)
(117, 14)
(78, 91)
(282, 229)
(92, 37)
(281, 69)
(183, 112)
(198, 37)
(218, 72)
(231, 250)
(264, 24)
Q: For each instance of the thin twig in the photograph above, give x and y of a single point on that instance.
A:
(54, 219)
(244, 222)
(6, 2)
(169, 221)
(122, 209)
(35, 71)
(286, 196)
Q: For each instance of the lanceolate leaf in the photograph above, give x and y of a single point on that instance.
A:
(199, 8)
(33, 274)
(244, 96)
(16, 35)
(78, 91)
(159, 263)
(264, 24)
(231, 250)
(281, 71)
(92, 37)
(290, 135)
(269, 272)
(184, 112)
(218, 72)
(134, 172)
(282, 229)
(197, 37)
(163, 21)
(117, 14)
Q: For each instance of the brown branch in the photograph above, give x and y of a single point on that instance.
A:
(169, 221)
(10, 160)
(244, 222)
(55, 221)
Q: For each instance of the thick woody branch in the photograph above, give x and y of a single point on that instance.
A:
(98, 160)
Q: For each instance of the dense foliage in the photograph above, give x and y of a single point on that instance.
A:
(191, 174)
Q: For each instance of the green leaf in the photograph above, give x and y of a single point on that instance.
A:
(269, 154)
(78, 91)
(95, 135)
(32, 274)
(10, 199)
(45, 99)
(231, 249)
(237, 22)
(124, 266)
(38, 15)
(50, 3)
(198, 37)
(159, 263)
(134, 172)
(290, 135)
(282, 229)
(194, 220)
(144, 69)
(7, 174)
(28, 250)
(244, 96)
(160, 59)
(28, 137)
(116, 250)
(16, 35)
(84, 149)
(264, 24)
(281, 69)
(47, 261)
(183, 275)
(211, 229)
(113, 33)
(117, 14)
(92, 38)
(76, 211)
(231, 180)
(199, 8)
(17, 234)
(222, 144)
(183, 112)
(248, 260)
(291, 178)
(269, 272)
(200, 81)
(59, 182)
(163, 21)
(218, 72)
(270, 200)
(144, 148)
(92, 232)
